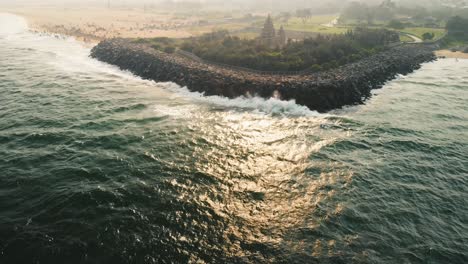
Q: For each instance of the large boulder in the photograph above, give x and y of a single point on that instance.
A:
(322, 91)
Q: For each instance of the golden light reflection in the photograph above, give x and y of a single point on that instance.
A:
(271, 181)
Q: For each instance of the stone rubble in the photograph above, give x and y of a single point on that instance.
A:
(322, 91)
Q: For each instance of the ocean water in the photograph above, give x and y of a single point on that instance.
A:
(99, 166)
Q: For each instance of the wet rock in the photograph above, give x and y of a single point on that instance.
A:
(323, 91)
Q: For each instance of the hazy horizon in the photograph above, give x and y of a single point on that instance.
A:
(262, 4)
(233, 131)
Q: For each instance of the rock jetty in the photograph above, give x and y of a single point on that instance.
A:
(322, 91)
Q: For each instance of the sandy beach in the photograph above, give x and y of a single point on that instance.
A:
(451, 54)
(95, 24)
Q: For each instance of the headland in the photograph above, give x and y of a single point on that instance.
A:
(322, 91)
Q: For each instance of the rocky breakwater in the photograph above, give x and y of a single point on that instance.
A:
(322, 91)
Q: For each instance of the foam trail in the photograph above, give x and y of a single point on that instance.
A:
(71, 56)
(271, 106)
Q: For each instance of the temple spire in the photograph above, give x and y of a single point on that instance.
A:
(268, 32)
(282, 37)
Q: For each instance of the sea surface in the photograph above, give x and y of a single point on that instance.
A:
(99, 166)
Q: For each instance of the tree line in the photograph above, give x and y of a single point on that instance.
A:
(315, 54)
(389, 11)
(319, 53)
(458, 27)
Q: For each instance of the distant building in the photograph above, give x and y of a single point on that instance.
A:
(282, 39)
(270, 38)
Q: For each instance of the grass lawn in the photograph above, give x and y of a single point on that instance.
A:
(314, 20)
(210, 28)
(363, 23)
(405, 38)
(246, 35)
(417, 31)
(314, 24)
(451, 42)
(316, 28)
(456, 43)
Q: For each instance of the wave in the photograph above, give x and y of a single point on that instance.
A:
(70, 55)
(272, 106)
(420, 82)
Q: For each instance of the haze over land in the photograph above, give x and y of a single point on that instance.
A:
(96, 20)
(244, 131)
(263, 4)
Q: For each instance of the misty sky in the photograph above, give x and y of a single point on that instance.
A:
(241, 3)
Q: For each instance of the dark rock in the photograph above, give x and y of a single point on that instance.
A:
(322, 91)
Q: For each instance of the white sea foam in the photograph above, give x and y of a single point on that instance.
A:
(272, 106)
(70, 55)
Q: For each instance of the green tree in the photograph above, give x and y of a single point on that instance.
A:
(169, 49)
(286, 16)
(428, 36)
(324, 51)
(304, 14)
(396, 24)
(457, 25)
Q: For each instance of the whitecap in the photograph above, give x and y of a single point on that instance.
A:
(273, 106)
(70, 55)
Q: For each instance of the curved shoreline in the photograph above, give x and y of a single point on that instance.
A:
(451, 54)
(322, 91)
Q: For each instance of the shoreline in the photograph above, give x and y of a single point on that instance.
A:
(350, 84)
(95, 24)
(451, 54)
(51, 21)
(89, 41)
(322, 91)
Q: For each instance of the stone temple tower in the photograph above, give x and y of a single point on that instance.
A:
(282, 37)
(268, 36)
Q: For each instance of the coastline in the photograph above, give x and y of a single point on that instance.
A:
(451, 54)
(67, 23)
(322, 91)
(94, 24)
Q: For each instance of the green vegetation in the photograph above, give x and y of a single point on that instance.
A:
(362, 13)
(313, 20)
(304, 14)
(396, 24)
(420, 31)
(323, 52)
(420, 22)
(458, 27)
(169, 49)
(428, 36)
(314, 24)
(246, 35)
(457, 32)
(314, 28)
(405, 38)
(396, 16)
(199, 30)
(164, 44)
